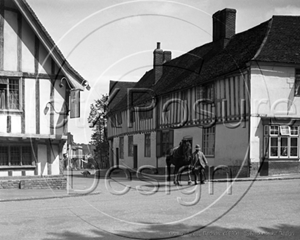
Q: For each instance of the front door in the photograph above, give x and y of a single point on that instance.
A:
(135, 156)
(117, 157)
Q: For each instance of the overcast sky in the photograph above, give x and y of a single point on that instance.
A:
(114, 40)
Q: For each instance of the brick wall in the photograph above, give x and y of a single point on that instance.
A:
(35, 183)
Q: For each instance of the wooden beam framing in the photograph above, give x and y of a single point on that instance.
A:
(37, 103)
(1, 34)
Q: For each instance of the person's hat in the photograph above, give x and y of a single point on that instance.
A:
(197, 147)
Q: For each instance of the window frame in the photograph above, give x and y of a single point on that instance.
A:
(163, 145)
(147, 148)
(284, 132)
(8, 108)
(208, 133)
(121, 147)
(20, 148)
(130, 146)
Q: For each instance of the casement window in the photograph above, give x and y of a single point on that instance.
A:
(208, 92)
(9, 93)
(297, 83)
(205, 92)
(130, 146)
(15, 155)
(164, 142)
(146, 114)
(166, 109)
(281, 141)
(121, 147)
(208, 141)
(113, 121)
(147, 145)
(132, 116)
(119, 118)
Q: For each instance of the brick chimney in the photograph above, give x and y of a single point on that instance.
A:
(167, 56)
(224, 26)
(158, 59)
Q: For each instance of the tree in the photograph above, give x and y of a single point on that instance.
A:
(98, 122)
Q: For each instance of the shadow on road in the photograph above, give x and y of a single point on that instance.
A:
(182, 231)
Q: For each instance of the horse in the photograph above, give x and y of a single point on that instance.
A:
(180, 156)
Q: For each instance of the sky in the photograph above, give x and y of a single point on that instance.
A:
(114, 40)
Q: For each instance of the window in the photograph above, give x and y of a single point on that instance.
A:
(208, 92)
(281, 141)
(119, 118)
(9, 93)
(147, 145)
(130, 146)
(122, 147)
(15, 155)
(146, 114)
(132, 116)
(208, 145)
(297, 83)
(113, 121)
(164, 142)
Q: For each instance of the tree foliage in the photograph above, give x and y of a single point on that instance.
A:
(98, 121)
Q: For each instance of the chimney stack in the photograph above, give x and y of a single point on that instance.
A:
(167, 56)
(159, 58)
(224, 25)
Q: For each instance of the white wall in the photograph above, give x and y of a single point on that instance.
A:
(231, 144)
(42, 157)
(30, 106)
(44, 99)
(272, 95)
(54, 160)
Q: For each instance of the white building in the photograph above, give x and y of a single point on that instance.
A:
(36, 83)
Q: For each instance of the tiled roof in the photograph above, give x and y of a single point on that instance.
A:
(283, 41)
(121, 87)
(276, 40)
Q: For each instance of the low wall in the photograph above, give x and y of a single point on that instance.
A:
(269, 168)
(57, 182)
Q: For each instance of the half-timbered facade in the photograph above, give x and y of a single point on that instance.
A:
(236, 96)
(36, 83)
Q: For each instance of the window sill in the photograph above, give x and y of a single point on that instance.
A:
(283, 159)
(2, 167)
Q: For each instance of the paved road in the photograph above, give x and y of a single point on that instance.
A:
(249, 210)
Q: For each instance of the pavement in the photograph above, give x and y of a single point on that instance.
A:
(78, 181)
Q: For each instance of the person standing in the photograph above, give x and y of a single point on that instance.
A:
(199, 162)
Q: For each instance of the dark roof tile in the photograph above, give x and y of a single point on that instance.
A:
(276, 40)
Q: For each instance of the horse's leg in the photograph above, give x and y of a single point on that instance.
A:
(189, 175)
(176, 175)
(168, 161)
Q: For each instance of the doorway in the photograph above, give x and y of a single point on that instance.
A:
(135, 156)
(117, 157)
